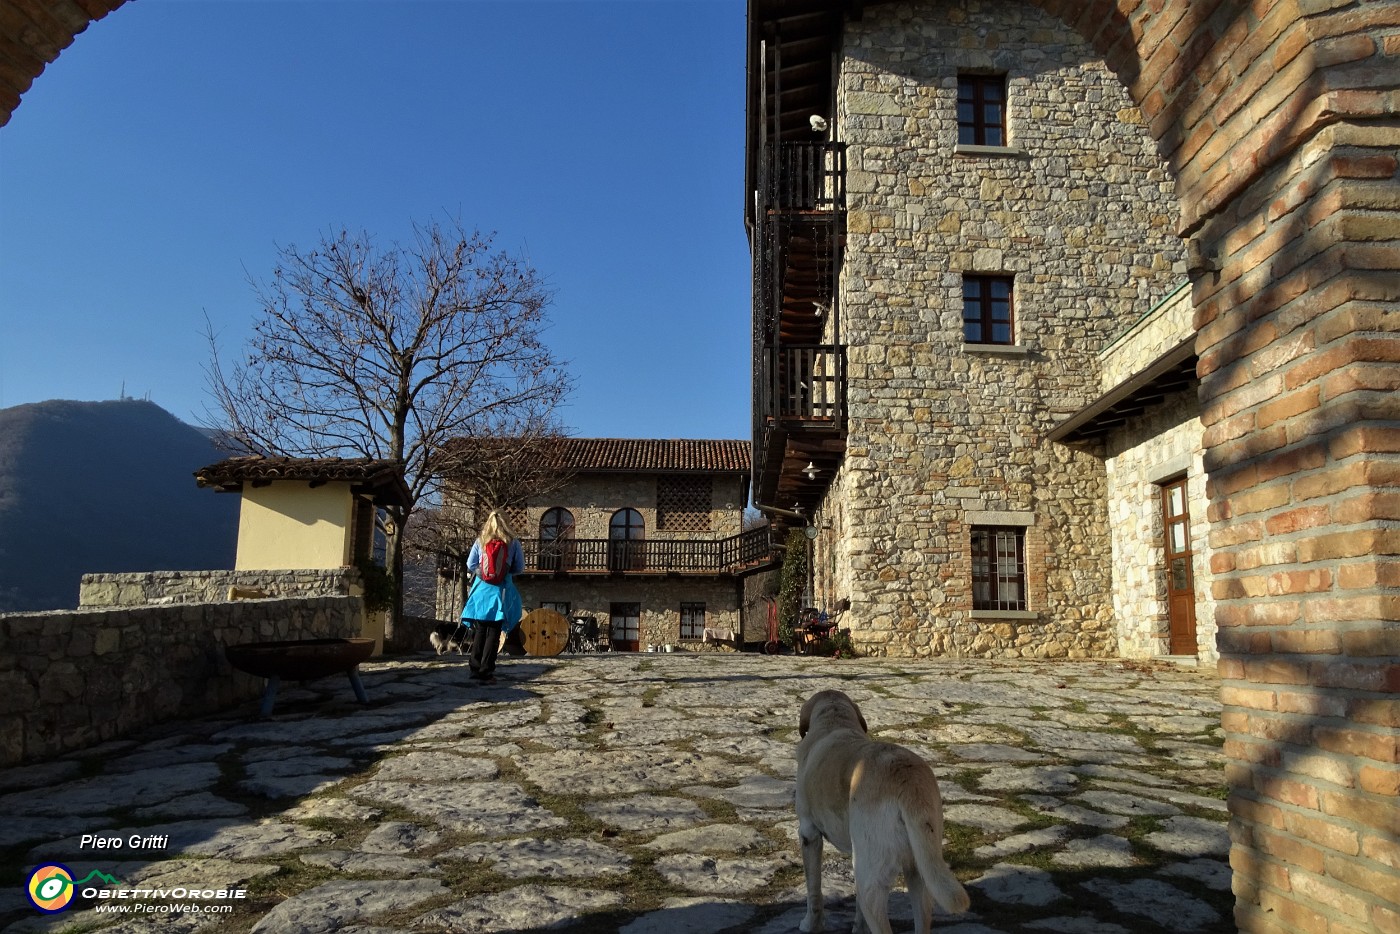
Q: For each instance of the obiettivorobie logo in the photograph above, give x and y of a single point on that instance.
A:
(51, 886)
(52, 889)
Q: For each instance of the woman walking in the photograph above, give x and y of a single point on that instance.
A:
(493, 605)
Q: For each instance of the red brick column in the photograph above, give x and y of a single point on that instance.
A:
(1277, 120)
(1296, 289)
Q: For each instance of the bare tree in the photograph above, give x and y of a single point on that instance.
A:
(393, 353)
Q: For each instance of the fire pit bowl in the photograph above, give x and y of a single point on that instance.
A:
(300, 660)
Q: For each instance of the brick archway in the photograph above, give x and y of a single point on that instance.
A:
(1277, 123)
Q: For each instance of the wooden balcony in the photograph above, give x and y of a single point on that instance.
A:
(808, 385)
(805, 177)
(737, 554)
(799, 379)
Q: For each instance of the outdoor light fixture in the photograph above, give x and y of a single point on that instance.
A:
(810, 470)
(821, 309)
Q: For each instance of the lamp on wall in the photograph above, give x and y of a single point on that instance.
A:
(810, 470)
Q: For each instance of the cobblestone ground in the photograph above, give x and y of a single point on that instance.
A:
(646, 794)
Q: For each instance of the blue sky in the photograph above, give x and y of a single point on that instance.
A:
(167, 154)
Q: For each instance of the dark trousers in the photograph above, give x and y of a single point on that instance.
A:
(486, 643)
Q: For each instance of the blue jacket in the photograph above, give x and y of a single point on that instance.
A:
(496, 602)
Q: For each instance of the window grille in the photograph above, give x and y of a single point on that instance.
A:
(692, 622)
(683, 503)
(998, 568)
(515, 516)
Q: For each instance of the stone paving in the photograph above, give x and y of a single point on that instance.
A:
(643, 794)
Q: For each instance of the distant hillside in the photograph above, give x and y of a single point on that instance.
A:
(103, 486)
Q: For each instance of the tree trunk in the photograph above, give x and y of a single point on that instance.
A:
(394, 561)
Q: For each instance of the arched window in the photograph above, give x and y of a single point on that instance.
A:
(556, 540)
(626, 531)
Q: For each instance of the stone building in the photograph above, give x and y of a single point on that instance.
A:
(644, 536)
(964, 242)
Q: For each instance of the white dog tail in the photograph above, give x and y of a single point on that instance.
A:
(926, 841)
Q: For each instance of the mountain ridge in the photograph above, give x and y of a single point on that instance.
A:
(89, 487)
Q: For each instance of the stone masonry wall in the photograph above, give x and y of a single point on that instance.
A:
(1081, 211)
(660, 601)
(1164, 326)
(71, 679)
(594, 498)
(167, 587)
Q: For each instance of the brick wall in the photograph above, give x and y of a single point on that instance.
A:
(1287, 168)
(1300, 344)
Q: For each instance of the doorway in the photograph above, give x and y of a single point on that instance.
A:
(626, 619)
(1181, 586)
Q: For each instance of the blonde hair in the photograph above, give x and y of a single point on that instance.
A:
(495, 528)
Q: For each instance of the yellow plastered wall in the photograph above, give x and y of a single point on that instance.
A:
(291, 525)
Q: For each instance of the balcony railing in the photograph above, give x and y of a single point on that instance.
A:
(806, 382)
(655, 556)
(806, 177)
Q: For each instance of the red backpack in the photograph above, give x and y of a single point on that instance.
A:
(495, 560)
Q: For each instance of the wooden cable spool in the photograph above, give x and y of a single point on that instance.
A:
(544, 632)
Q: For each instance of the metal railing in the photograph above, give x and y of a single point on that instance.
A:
(655, 556)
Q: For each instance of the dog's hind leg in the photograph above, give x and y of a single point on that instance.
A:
(921, 899)
(811, 841)
(873, 897)
(876, 864)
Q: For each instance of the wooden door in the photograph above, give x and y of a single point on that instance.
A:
(1181, 587)
(626, 621)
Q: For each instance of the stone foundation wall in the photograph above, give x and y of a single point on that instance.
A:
(173, 587)
(71, 679)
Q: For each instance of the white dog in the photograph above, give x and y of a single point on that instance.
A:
(878, 802)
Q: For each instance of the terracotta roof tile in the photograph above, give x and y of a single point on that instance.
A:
(382, 477)
(631, 455)
(656, 455)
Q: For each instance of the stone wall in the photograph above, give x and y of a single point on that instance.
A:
(1163, 327)
(173, 587)
(1080, 210)
(70, 679)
